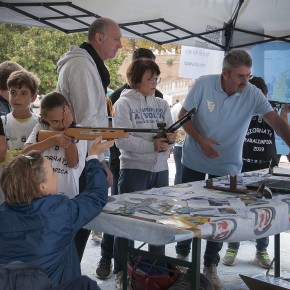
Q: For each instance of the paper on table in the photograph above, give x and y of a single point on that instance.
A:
(164, 191)
(201, 201)
(219, 211)
(207, 206)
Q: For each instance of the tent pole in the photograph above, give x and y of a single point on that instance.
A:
(230, 25)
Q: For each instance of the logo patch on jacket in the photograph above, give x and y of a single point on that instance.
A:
(210, 105)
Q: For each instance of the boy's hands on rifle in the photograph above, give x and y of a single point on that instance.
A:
(97, 148)
(171, 137)
(61, 140)
(161, 144)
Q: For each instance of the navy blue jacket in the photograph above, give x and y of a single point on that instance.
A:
(42, 233)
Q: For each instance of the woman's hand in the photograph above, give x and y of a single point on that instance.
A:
(161, 144)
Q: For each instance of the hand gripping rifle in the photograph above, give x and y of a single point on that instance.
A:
(90, 133)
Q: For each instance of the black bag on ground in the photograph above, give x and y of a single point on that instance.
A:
(19, 276)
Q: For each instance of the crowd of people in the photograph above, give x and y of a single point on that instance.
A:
(53, 187)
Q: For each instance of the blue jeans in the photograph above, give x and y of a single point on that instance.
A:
(177, 154)
(211, 255)
(261, 244)
(142, 180)
(107, 244)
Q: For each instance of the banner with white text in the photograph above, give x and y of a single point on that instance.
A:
(195, 62)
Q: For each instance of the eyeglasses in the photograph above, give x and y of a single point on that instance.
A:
(154, 80)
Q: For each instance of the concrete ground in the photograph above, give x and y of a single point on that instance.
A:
(229, 275)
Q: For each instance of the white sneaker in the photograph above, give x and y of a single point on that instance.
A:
(119, 280)
(96, 237)
(211, 274)
(182, 258)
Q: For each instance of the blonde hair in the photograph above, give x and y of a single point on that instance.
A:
(20, 180)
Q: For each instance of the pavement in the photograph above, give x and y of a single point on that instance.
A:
(229, 274)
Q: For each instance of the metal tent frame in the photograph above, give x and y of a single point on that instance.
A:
(70, 18)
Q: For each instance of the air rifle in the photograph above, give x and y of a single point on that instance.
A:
(90, 133)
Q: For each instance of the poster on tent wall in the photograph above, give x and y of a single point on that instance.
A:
(195, 62)
(272, 62)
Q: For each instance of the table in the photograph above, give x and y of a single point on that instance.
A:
(236, 217)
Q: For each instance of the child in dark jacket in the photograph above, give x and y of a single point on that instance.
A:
(37, 225)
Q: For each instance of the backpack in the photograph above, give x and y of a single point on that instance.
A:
(147, 274)
(19, 276)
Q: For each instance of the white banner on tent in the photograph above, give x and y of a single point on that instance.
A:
(195, 62)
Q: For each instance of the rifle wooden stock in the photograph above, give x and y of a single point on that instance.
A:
(90, 133)
(85, 133)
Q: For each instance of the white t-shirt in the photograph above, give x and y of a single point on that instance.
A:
(68, 178)
(16, 133)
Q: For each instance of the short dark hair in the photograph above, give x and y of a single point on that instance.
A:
(137, 69)
(6, 68)
(235, 58)
(23, 77)
(100, 25)
(143, 53)
(51, 101)
(260, 84)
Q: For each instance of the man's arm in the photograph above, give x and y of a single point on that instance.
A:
(205, 143)
(279, 124)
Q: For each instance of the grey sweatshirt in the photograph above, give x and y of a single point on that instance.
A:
(133, 110)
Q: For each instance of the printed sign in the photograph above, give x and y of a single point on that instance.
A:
(195, 62)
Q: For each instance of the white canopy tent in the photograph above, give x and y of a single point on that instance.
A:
(215, 24)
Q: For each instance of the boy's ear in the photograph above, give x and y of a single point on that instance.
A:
(42, 188)
(33, 98)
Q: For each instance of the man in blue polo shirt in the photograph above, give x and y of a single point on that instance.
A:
(225, 105)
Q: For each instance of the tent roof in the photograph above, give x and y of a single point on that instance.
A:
(215, 24)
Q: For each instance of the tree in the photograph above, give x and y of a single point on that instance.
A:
(38, 50)
(131, 44)
(113, 67)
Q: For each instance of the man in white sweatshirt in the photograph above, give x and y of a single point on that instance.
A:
(83, 79)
